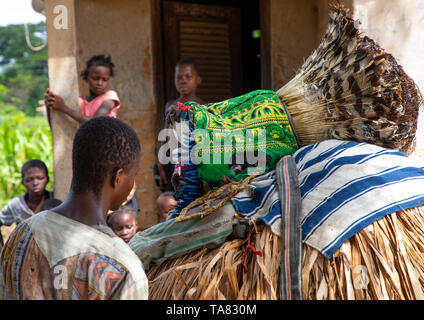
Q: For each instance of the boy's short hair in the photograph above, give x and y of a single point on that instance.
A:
(34, 163)
(123, 209)
(101, 146)
(166, 194)
(188, 61)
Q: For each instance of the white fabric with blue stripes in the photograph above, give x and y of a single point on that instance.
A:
(261, 200)
(345, 186)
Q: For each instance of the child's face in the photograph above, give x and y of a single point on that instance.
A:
(98, 79)
(186, 79)
(168, 204)
(124, 226)
(35, 181)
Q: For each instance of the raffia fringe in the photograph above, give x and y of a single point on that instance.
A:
(382, 261)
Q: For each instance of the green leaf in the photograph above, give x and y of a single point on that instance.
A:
(22, 138)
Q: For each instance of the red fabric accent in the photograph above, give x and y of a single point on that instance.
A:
(251, 247)
(179, 170)
(183, 107)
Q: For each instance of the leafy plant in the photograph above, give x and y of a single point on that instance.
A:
(22, 138)
(23, 72)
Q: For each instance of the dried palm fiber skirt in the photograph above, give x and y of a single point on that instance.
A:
(382, 261)
(333, 170)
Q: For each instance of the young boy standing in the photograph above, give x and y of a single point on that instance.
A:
(186, 80)
(69, 252)
(35, 178)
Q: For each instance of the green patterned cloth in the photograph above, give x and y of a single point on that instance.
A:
(239, 119)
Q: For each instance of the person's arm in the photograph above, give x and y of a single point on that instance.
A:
(55, 102)
(104, 109)
(163, 181)
(161, 168)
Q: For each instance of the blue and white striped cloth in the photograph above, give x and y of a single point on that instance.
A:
(344, 187)
(261, 200)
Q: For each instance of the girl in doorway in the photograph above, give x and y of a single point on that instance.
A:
(99, 102)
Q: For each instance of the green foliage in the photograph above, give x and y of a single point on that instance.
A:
(14, 49)
(22, 138)
(23, 71)
(24, 134)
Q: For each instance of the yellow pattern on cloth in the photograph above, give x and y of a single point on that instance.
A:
(244, 126)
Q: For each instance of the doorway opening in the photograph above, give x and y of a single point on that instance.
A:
(223, 37)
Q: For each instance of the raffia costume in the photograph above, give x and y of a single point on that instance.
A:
(348, 90)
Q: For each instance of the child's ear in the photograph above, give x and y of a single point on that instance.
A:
(199, 80)
(117, 177)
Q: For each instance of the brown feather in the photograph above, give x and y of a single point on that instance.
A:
(351, 89)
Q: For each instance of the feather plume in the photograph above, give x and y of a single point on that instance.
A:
(351, 89)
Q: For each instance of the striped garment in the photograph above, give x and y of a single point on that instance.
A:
(344, 187)
(291, 287)
(261, 200)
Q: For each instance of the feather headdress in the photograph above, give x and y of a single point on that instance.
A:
(351, 89)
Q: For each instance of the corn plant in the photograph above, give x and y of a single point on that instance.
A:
(22, 138)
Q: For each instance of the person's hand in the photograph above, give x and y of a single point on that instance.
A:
(49, 98)
(53, 101)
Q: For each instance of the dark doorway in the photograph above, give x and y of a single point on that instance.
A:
(223, 37)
